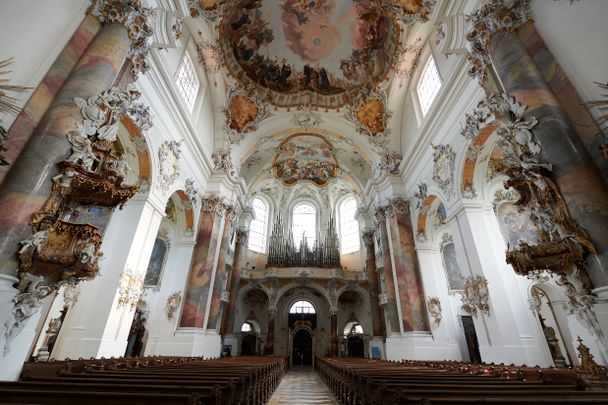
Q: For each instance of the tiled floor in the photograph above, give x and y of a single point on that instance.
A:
(302, 386)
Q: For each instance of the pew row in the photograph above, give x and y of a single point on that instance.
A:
(150, 380)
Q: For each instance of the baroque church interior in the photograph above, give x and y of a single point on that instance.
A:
(303, 183)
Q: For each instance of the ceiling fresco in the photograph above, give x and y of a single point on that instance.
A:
(308, 157)
(309, 51)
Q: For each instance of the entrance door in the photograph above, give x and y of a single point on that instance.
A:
(355, 346)
(302, 348)
(248, 344)
(471, 338)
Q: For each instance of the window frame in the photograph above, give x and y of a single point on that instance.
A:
(429, 58)
(340, 205)
(189, 104)
(316, 222)
(264, 248)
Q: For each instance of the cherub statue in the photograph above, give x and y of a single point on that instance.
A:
(34, 242)
(82, 151)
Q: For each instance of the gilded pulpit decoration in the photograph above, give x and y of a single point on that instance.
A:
(445, 166)
(476, 295)
(433, 305)
(169, 154)
(136, 19)
(244, 111)
(492, 17)
(130, 287)
(208, 9)
(588, 368)
(172, 305)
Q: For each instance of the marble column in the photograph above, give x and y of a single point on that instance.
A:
(28, 184)
(405, 262)
(269, 346)
(203, 263)
(240, 255)
(45, 92)
(334, 332)
(221, 273)
(576, 175)
(391, 312)
(378, 328)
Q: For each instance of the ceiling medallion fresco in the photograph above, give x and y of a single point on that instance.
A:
(305, 157)
(369, 113)
(244, 112)
(304, 51)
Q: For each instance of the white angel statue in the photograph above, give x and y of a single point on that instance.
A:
(82, 151)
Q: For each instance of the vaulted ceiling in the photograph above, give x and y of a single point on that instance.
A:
(305, 88)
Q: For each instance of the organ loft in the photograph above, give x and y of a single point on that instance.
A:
(330, 201)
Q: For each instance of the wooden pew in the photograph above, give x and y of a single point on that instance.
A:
(362, 381)
(150, 380)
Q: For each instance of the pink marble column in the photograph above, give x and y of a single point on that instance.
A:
(28, 184)
(391, 313)
(42, 97)
(269, 346)
(411, 296)
(220, 273)
(575, 173)
(378, 328)
(334, 333)
(240, 255)
(203, 262)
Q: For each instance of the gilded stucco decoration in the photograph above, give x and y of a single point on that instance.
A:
(172, 304)
(408, 11)
(389, 164)
(476, 295)
(492, 17)
(245, 110)
(208, 9)
(130, 286)
(433, 305)
(169, 154)
(444, 168)
(222, 160)
(213, 203)
(305, 157)
(136, 19)
(294, 52)
(369, 113)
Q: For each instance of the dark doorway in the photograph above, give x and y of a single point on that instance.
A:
(248, 344)
(355, 346)
(135, 341)
(302, 348)
(471, 338)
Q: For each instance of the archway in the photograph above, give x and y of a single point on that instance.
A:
(249, 344)
(471, 338)
(355, 346)
(302, 348)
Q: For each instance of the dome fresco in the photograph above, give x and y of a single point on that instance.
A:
(309, 51)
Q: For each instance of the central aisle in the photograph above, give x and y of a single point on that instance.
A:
(302, 385)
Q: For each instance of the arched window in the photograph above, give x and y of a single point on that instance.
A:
(186, 81)
(304, 224)
(349, 226)
(302, 307)
(353, 328)
(246, 327)
(428, 85)
(259, 226)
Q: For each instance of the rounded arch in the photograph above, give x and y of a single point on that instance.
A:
(137, 149)
(310, 292)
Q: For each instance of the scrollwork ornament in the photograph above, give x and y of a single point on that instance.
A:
(169, 154)
(191, 190)
(172, 305)
(136, 19)
(369, 112)
(476, 295)
(389, 164)
(444, 159)
(243, 113)
(222, 159)
(492, 17)
(433, 305)
(395, 7)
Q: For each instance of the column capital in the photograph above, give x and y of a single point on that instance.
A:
(242, 236)
(136, 18)
(490, 18)
(213, 203)
(368, 236)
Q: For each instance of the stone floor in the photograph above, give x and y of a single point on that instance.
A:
(302, 385)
